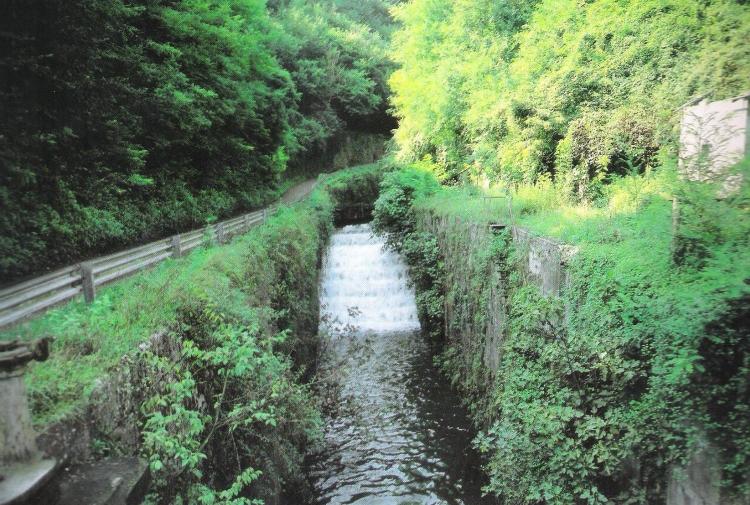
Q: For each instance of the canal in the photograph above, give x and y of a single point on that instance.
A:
(395, 433)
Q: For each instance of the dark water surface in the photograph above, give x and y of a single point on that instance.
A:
(399, 435)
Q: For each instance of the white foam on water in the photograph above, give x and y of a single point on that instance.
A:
(392, 437)
(359, 274)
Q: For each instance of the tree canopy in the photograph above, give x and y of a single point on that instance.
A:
(126, 121)
(514, 89)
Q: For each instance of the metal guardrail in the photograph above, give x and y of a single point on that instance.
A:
(27, 298)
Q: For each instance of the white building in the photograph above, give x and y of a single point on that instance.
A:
(714, 137)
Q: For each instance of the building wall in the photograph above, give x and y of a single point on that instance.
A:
(713, 137)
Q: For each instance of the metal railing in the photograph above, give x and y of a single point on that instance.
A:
(33, 296)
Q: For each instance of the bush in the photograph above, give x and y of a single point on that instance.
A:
(597, 392)
(219, 394)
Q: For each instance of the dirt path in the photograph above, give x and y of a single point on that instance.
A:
(298, 191)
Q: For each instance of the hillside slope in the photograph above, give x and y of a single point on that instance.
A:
(513, 90)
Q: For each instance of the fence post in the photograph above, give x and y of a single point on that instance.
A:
(220, 233)
(675, 226)
(176, 247)
(247, 223)
(87, 278)
(265, 215)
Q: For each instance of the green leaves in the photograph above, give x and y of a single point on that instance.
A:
(145, 119)
(339, 66)
(230, 400)
(592, 396)
(137, 121)
(507, 88)
(143, 107)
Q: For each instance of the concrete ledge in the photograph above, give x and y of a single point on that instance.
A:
(20, 481)
(117, 481)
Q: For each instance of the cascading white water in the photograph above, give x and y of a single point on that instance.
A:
(358, 273)
(398, 435)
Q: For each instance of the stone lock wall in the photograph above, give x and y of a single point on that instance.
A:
(472, 274)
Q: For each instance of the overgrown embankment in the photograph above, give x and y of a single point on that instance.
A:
(202, 365)
(516, 90)
(592, 370)
(124, 122)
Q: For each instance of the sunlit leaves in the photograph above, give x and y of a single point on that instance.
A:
(498, 85)
(339, 66)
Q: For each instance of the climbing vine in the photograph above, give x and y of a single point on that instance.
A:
(597, 393)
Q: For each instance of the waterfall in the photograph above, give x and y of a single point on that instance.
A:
(358, 273)
(398, 434)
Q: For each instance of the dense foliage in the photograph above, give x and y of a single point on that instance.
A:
(590, 395)
(512, 89)
(201, 365)
(563, 101)
(127, 121)
(249, 363)
(337, 56)
(354, 193)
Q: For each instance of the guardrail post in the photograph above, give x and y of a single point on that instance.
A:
(265, 215)
(220, 233)
(675, 243)
(247, 223)
(176, 247)
(87, 277)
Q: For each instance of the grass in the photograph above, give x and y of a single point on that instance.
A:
(544, 209)
(638, 237)
(91, 339)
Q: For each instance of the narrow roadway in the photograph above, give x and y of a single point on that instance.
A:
(298, 191)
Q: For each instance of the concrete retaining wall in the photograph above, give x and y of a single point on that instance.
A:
(479, 330)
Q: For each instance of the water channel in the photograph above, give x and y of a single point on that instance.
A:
(398, 434)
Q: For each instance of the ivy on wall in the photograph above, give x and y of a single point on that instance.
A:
(594, 394)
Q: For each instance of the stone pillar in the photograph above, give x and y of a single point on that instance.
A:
(22, 470)
(17, 438)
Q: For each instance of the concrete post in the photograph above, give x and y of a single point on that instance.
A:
(265, 215)
(176, 247)
(247, 223)
(675, 226)
(18, 439)
(87, 277)
(220, 233)
(22, 470)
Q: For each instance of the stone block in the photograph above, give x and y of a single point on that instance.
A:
(116, 481)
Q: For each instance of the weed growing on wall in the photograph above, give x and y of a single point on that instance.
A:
(213, 352)
(594, 394)
(228, 415)
(395, 217)
(394, 214)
